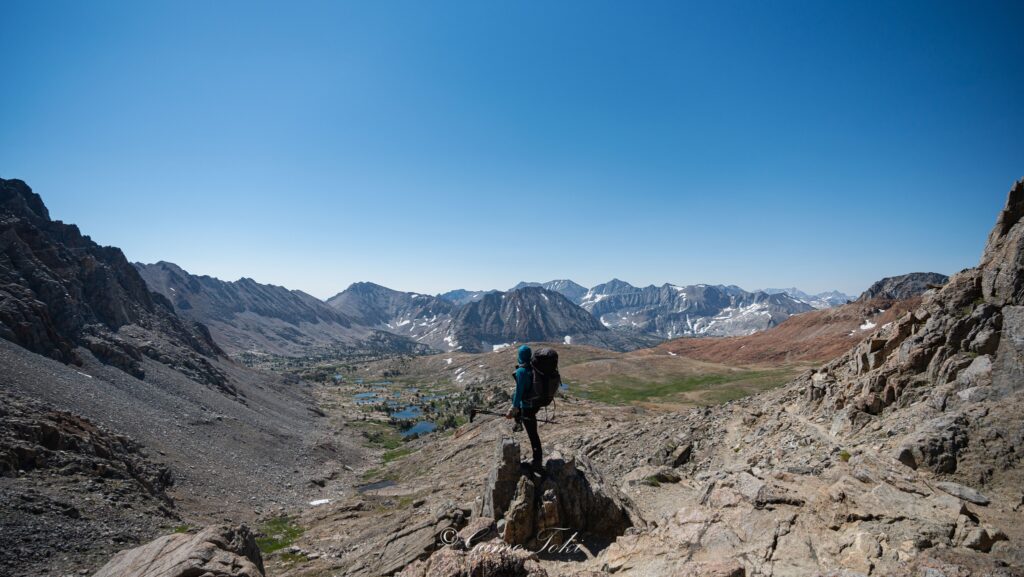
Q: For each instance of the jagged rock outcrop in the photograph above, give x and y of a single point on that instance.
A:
(569, 511)
(78, 483)
(961, 346)
(59, 290)
(904, 286)
(502, 480)
(218, 551)
(570, 497)
(33, 436)
(772, 492)
(492, 561)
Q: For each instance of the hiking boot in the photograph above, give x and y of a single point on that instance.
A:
(537, 467)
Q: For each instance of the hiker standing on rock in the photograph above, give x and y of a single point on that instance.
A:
(523, 408)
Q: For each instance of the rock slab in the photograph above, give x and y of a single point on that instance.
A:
(217, 551)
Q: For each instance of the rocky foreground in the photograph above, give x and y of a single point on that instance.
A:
(900, 457)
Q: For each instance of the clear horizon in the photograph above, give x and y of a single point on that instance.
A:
(472, 145)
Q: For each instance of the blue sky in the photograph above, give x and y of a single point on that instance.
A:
(428, 146)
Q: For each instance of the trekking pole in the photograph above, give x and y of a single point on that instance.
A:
(473, 412)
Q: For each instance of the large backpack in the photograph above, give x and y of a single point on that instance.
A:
(546, 379)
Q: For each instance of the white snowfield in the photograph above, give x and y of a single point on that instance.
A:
(452, 343)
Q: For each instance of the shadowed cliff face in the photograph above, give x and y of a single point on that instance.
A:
(59, 290)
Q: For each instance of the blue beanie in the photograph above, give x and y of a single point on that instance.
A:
(525, 355)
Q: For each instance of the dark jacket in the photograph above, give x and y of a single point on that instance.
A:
(524, 379)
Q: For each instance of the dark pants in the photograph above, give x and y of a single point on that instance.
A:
(530, 424)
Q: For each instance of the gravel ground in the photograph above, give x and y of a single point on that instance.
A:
(232, 458)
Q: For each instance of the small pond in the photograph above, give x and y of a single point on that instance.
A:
(376, 485)
(419, 428)
(410, 412)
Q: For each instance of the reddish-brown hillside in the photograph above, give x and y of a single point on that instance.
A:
(813, 336)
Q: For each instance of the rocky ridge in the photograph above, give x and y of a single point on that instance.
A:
(59, 291)
(246, 316)
(373, 305)
(904, 286)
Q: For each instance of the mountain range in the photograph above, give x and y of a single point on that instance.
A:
(494, 319)
(479, 320)
(248, 316)
(672, 311)
(211, 315)
(904, 286)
